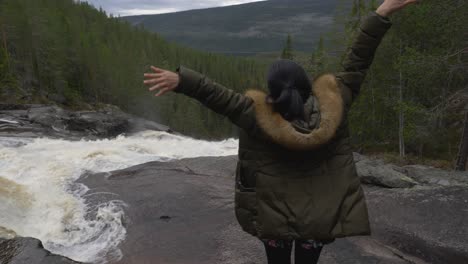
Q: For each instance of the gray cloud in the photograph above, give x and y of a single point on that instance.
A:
(138, 7)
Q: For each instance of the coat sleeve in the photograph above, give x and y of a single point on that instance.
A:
(237, 107)
(361, 54)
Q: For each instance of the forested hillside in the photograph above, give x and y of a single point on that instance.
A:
(417, 88)
(246, 29)
(70, 53)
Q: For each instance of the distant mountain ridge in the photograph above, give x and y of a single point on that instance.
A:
(247, 28)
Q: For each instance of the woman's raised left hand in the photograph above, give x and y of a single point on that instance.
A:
(162, 80)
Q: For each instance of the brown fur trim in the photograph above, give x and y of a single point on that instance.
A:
(328, 94)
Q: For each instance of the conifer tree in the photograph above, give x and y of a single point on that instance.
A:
(287, 52)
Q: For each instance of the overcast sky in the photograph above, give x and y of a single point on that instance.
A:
(139, 7)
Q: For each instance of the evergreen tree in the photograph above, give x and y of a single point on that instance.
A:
(319, 60)
(287, 52)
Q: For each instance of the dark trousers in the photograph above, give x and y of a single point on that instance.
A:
(279, 251)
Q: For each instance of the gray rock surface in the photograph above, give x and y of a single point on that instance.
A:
(28, 251)
(55, 122)
(182, 212)
(428, 222)
(376, 172)
(436, 177)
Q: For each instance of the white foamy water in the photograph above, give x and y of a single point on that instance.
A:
(39, 197)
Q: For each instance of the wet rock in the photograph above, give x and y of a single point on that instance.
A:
(28, 251)
(55, 122)
(46, 116)
(6, 233)
(100, 124)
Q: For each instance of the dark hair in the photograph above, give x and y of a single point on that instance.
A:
(289, 88)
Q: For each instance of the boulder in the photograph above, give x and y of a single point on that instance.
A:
(100, 124)
(376, 172)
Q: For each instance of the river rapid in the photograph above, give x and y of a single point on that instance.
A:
(40, 196)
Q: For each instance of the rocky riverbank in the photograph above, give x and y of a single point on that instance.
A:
(182, 211)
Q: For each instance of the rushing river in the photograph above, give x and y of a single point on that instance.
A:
(39, 196)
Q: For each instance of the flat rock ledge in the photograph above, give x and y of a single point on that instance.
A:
(376, 172)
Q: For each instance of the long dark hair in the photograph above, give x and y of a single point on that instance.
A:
(289, 88)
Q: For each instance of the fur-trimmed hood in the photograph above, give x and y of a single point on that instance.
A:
(326, 90)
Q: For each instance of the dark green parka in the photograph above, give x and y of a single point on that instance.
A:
(294, 180)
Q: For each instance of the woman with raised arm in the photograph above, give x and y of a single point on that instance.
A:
(296, 180)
